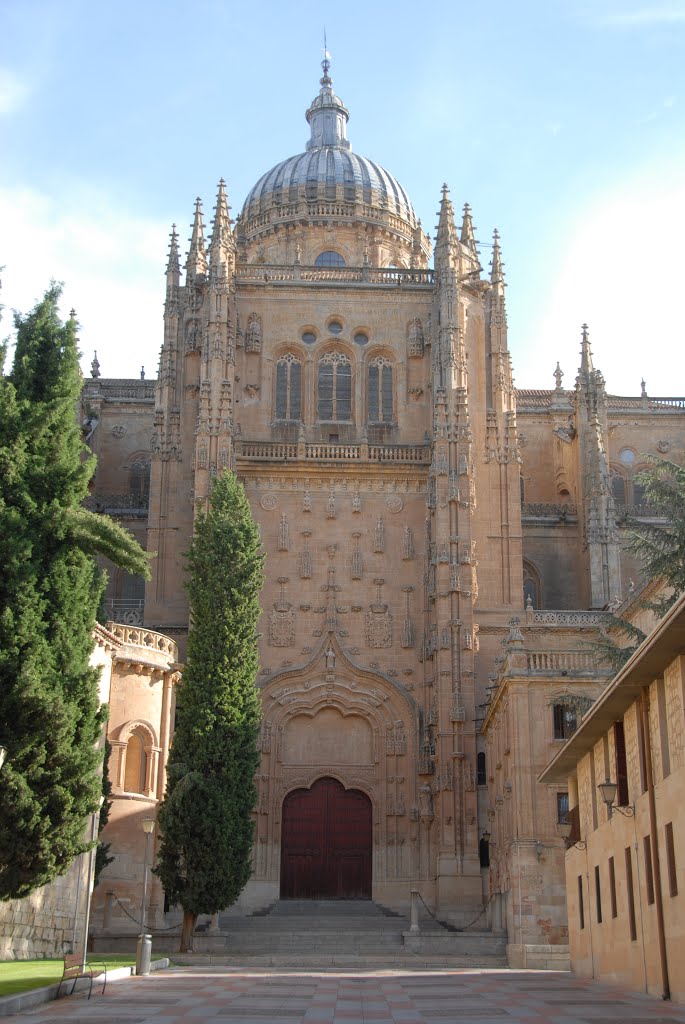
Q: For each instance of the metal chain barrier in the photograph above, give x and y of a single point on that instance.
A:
(451, 927)
(174, 927)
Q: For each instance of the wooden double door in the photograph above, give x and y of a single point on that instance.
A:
(326, 843)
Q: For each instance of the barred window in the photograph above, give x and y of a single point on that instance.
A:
(335, 387)
(565, 721)
(288, 388)
(380, 391)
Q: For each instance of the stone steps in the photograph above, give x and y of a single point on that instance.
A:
(397, 961)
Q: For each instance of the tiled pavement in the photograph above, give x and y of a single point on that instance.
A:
(220, 995)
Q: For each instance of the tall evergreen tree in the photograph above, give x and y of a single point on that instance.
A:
(206, 817)
(50, 719)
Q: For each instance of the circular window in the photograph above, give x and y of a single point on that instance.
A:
(361, 338)
(308, 337)
(627, 456)
(335, 327)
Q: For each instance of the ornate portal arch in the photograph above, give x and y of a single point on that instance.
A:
(332, 717)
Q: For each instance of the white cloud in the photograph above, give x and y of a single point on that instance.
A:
(621, 272)
(111, 263)
(645, 16)
(13, 91)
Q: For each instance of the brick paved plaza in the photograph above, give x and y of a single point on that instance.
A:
(218, 995)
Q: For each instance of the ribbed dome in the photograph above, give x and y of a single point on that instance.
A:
(319, 172)
(328, 171)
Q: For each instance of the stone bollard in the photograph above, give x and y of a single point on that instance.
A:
(414, 913)
(143, 954)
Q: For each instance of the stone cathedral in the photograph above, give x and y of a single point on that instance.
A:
(441, 547)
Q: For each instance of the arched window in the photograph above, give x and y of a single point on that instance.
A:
(532, 587)
(380, 391)
(618, 489)
(139, 481)
(135, 767)
(288, 388)
(335, 387)
(329, 258)
(481, 776)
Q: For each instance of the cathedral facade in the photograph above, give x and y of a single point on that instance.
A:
(440, 546)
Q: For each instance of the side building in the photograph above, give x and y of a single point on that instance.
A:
(625, 771)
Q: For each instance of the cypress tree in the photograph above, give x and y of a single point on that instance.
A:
(50, 586)
(206, 817)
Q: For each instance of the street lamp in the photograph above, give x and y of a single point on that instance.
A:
(565, 828)
(144, 947)
(607, 791)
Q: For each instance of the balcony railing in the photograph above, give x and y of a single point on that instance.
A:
(260, 273)
(286, 451)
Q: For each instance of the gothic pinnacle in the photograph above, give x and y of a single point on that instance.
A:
(496, 272)
(173, 265)
(467, 237)
(585, 351)
(447, 232)
(197, 257)
(221, 230)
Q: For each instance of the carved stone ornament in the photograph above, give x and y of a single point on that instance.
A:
(253, 334)
(415, 339)
(394, 503)
(118, 430)
(282, 625)
(268, 502)
(282, 620)
(378, 621)
(663, 446)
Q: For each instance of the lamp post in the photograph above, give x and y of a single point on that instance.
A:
(94, 829)
(144, 947)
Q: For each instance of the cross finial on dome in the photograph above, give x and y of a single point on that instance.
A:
(326, 62)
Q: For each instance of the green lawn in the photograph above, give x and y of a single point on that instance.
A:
(22, 975)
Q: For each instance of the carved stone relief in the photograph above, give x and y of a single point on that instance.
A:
(282, 620)
(253, 334)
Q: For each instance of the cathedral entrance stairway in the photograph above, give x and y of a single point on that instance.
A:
(343, 933)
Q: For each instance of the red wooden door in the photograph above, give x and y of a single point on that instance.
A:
(326, 843)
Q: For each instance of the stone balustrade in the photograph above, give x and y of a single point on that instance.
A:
(138, 636)
(254, 273)
(561, 661)
(284, 451)
(569, 618)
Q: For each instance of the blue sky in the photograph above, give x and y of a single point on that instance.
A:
(561, 123)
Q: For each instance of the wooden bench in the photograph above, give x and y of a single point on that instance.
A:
(75, 969)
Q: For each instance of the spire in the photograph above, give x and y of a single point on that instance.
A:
(222, 238)
(585, 352)
(95, 366)
(447, 232)
(327, 115)
(197, 257)
(173, 265)
(496, 272)
(467, 236)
